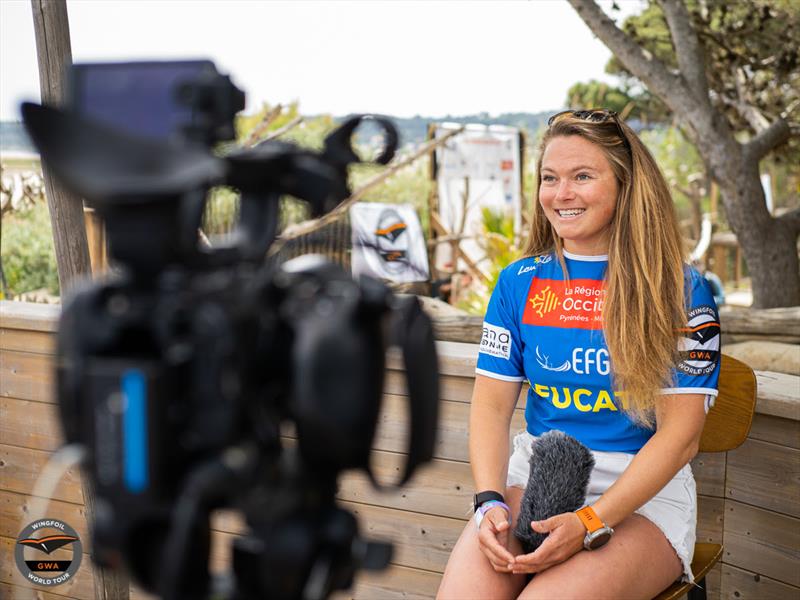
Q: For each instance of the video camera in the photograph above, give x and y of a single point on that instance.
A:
(205, 378)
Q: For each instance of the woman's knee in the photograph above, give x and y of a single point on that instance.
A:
(469, 574)
(638, 563)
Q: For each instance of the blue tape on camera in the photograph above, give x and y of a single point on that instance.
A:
(134, 430)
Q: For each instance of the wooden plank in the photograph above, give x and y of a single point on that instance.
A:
(778, 321)
(19, 468)
(29, 424)
(395, 583)
(38, 342)
(15, 510)
(709, 473)
(746, 585)
(451, 387)
(762, 541)
(29, 315)
(710, 516)
(738, 338)
(451, 442)
(765, 475)
(785, 432)
(421, 541)
(713, 582)
(18, 592)
(80, 587)
(442, 487)
(778, 395)
(26, 375)
(455, 358)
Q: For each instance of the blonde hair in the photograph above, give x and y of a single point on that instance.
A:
(644, 306)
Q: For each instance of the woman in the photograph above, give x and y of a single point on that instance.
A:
(619, 341)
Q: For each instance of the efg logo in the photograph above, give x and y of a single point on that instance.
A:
(48, 552)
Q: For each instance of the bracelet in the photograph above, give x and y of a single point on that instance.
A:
(486, 507)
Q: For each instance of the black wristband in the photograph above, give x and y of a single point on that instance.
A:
(482, 497)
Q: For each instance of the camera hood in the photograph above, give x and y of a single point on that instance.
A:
(106, 166)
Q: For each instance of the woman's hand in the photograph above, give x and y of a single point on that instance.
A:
(566, 533)
(493, 539)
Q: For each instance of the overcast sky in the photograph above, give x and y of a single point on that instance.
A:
(400, 58)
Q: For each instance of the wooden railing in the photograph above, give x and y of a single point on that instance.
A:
(748, 499)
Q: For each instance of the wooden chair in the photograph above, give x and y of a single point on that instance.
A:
(726, 428)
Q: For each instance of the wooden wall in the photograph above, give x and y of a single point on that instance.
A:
(749, 499)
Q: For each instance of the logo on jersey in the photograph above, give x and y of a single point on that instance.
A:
(496, 341)
(538, 260)
(581, 399)
(544, 362)
(699, 346)
(584, 361)
(554, 303)
(544, 302)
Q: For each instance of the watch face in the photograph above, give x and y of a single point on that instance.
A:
(601, 539)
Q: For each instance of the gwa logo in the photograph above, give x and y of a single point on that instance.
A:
(49, 537)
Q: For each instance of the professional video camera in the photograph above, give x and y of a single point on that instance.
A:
(182, 371)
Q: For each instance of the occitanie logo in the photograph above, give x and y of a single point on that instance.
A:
(555, 303)
(544, 301)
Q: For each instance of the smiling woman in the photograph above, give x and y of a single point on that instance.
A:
(578, 194)
(599, 318)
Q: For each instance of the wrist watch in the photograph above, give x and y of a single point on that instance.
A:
(597, 532)
(482, 497)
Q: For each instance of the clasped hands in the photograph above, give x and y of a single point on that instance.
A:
(565, 538)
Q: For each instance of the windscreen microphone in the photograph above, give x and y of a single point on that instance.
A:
(559, 476)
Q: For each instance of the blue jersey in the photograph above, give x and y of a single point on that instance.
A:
(548, 331)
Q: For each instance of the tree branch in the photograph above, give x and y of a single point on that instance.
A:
(688, 50)
(766, 140)
(647, 68)
(749, 112)
(311, 225)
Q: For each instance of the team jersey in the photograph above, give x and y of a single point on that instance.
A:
(548, 331)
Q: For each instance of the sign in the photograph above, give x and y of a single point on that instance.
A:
(388, 242)
(489, 156)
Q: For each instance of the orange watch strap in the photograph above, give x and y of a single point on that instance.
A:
(589, 519)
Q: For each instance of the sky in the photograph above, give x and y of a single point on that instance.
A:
(401, 58)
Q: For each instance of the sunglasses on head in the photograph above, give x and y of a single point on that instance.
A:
(595, 115)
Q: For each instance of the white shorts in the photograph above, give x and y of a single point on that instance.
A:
(673, 509)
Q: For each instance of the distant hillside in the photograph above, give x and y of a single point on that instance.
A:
(414, 130)
(14, 139)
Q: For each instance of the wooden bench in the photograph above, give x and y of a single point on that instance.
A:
(748, 498)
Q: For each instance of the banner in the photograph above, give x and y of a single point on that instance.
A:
(489, 156)
(388, 242)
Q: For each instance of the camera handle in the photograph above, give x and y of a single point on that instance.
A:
(413, 333)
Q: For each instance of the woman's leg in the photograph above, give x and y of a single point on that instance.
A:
(638, 562)
(469, 575)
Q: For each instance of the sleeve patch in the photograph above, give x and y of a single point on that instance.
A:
(699, 346)
(496, 341)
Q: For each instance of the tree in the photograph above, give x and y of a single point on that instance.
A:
(628, 102)
(734, 121)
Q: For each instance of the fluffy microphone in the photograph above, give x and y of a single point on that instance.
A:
(560, 470)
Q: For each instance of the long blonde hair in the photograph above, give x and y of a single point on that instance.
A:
(644, 306)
